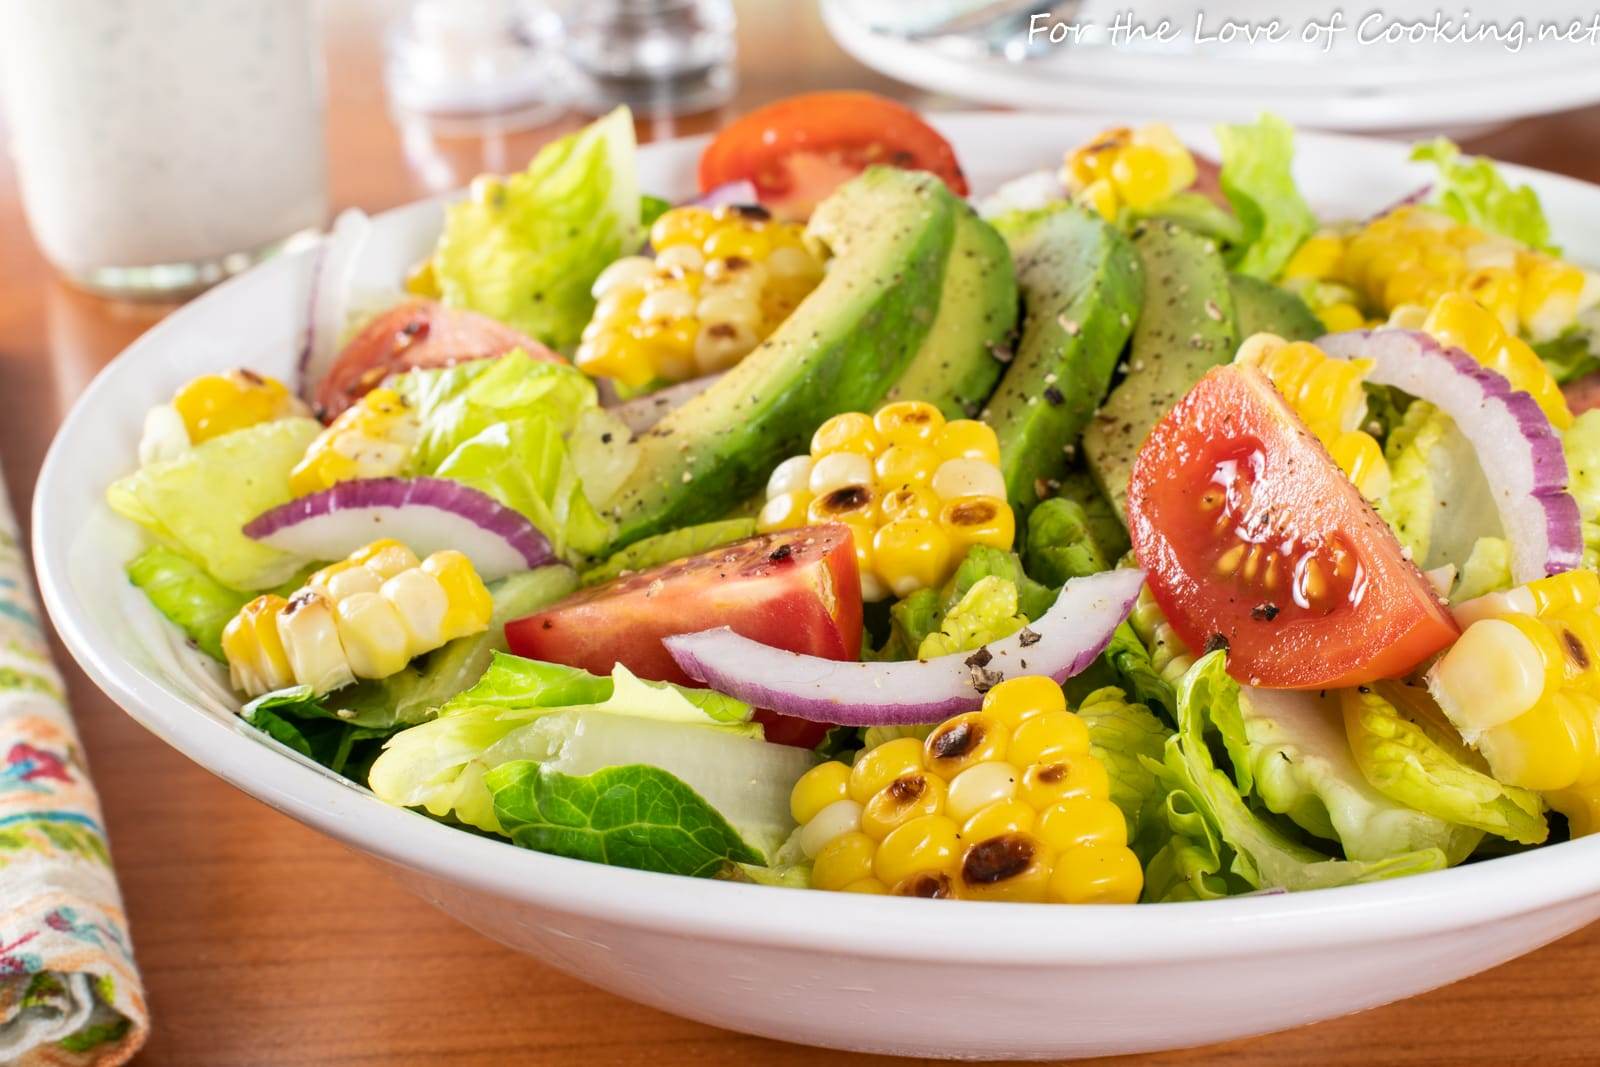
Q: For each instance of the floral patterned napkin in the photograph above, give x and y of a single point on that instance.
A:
(69, 991)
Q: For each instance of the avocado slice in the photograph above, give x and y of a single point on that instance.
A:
(960, 359)
(1186, 329)
(891, 233)
(1080, 286)
(1261, 307)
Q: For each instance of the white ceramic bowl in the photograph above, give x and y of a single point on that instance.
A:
(907, 976)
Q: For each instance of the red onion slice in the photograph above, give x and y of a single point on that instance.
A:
(425, 514)
(1518, 449)
(1062, 642)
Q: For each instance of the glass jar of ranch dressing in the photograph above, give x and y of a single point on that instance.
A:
(161, 145)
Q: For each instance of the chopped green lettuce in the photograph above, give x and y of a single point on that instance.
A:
(670, 546)
(986, 613)
(1471, 189)
(1131, 664)
(1060, 545)
(913, 619)
(197, 502)
(1439, 503)
(1410, 753)
(440, 765)
(1257, 178)
(293, 718)
(633, 816)
(498, 426)
(1122, 736)
(1486, 569)
(1236, 845)
(180, 589)
(526, 249)
(1303, 768)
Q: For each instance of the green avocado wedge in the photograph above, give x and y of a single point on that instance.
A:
(1186, 329)
(1261, 307)
(960, 360)
(1080, 286)
(891, 233)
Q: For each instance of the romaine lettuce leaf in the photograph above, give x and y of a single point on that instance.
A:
(1059, 544)
(1168, 656)
(986, 613)
(1486, 569)
(1122, 736)
(1410, 753)
(1439, 503)
(498, 425)
(525, 250)
(634, 816)
(1253, 848)
(913, 619)
(439, 765)
(1472, 190)
(180, 589)
(1193, 863)
(1257, 178)
(197, 502)
(1130, 662)
(1303, 768)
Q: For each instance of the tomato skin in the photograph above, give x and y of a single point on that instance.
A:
(416, 333)
(848, 130)
(794, 589)
(1233, 443)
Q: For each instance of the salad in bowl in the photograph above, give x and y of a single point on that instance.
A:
(1127, 535)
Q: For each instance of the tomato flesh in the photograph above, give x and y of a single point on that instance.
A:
(800, 149)
(794, 589)
(412, 335)
(1254, 540)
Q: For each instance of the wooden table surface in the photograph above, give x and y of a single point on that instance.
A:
(262, 942)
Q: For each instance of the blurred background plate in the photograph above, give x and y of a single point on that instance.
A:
(1397, 88)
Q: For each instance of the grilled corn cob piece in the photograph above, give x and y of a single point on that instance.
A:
(364, 617)
(1415, 255)
(1123, 167)
(1327, 394)
(1522, 684)
(212, 405)
(1006, 803)
(722, 279)
(371, 439)
(1464, 323)
(915, 490)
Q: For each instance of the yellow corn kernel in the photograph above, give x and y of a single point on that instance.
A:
(1338, 318)
(1497, 670)
(879, 766)
(1571, 589)
(257, 662)
(386, 556)
(848, 432)
(929, 844)
(977, 520)
(1016, 700)
(1049, 737)
(1581, 805)
(374, 637)
(1181, 170)
(817, 788)
(1359, 455)
(901, 466)
(422, 281)
(926, 886)
(1545, 748)
(1462, 322)
(1009, 816)
(215, 404)
(421, 604)
(847, 859)
(1550, 293)
(1142, 176)
(786, 512)
(1044, 784)
(738, 242)
(872, 590)
(965, 741)
(1082, 820)
(1012, 867)
(909, 502)
(968, 477)
(833, 821)
(1499, 291)
(908, 423)
(618, 355)
(910, 554)
(979, 786)
(310, 637)
(689, 225)
(870, 886)
(1319, 258)
(908, 797)
(967, 439)
(1096, 874)
(1101, 198)
(470, 603)
(372, 438)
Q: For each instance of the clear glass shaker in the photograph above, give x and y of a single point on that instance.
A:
(656, 56)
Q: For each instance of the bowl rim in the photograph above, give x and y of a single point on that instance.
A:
(852, 924)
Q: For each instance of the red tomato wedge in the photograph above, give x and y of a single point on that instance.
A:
(417, 333)
(795, 589)
(1254, 540)
(800, 149)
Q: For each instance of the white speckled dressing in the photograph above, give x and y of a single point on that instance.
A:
(180, 134)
